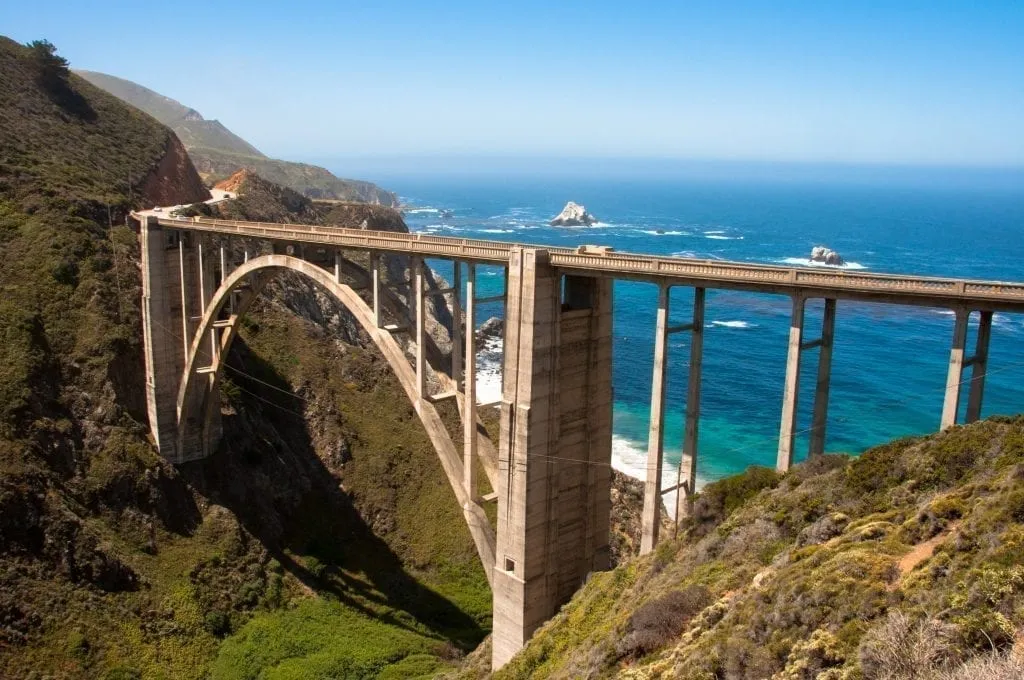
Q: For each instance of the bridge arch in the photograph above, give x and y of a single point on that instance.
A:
(198, 388)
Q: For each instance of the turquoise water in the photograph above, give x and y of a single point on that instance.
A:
(889, 366)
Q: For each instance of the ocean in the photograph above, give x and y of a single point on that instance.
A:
(889, 366)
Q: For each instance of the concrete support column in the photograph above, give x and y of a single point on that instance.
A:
(375, 284)
(979, 366)
(186, 326)
(163, 364)
(469, 439)
(820, 419)
(421, 330)
(688, 464)
(206, 289)
(457, 324)
(651, 517)
(951, 404)
(337, 266)
(787, 430)
(555, 452)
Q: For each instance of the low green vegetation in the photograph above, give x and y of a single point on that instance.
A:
(903, 563)
(116, 565)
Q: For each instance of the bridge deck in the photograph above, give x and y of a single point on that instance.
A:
(887, 288)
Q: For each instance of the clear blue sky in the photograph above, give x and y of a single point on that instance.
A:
(929, 82)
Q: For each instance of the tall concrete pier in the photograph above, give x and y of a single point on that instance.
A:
(550, 475)
(554, 460)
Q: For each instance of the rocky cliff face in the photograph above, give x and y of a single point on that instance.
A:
(901, 564)
(174, 181)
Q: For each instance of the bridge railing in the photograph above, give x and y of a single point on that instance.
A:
(625, 264)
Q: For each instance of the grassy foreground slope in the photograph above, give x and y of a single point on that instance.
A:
(217, 152)
(323, 515)
(907, 562)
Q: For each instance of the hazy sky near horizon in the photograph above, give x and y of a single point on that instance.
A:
(932, 82)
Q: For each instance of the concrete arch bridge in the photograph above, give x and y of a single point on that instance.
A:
(551, 472)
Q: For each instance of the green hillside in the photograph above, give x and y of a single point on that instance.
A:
(906, 563)
(114, 564)
(218, 153)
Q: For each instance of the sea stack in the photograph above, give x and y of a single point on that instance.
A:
(573, 215)
(826, 256)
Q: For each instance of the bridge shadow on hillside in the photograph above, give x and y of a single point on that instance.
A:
(267, 472)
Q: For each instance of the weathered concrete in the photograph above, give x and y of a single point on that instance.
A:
(951, 403)
(686, 484)
(819, 420)
(554, 460)
(979, 366)
(650, 521)
(469, 424)
(163, 351)
(791, 390)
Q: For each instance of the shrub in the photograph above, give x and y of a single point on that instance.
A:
(901, 648)
(992, 667)
(717, 501)
(217, 623)
(661, 620)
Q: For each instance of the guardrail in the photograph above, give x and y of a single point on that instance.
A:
(625, 265)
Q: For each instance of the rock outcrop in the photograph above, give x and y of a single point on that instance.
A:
(491, 329)
(826, 256)
(573, 215)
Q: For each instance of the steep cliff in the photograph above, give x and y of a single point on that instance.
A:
(217, 152)
(115, 564)
(902, 564)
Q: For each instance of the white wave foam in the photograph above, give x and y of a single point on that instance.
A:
(662, 232)
(498, 231)
(720, 237)
(630, 458)
(488, 372)
(804, 262)
(733, 324)
(998, 320)
(417, 211)
(714, 231)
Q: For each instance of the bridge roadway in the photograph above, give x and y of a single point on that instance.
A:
(551, 472)
(815, 282)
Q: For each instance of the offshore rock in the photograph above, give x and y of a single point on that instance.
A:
(573, 215)
(826, 256)
(493, 328)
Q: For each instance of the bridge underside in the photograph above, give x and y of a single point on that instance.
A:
(552, 472)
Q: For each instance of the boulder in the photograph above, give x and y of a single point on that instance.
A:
(573, 215)
(826, 256)
(491, 329)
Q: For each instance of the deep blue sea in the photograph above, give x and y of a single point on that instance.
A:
(890, 362)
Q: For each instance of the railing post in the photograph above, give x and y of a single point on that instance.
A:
(979, 367)
(951, 404)
(688, 463)
(790, 394)
(820, 418)
(421, 330)
(469, 389)
(456, 323)
(651, 516)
